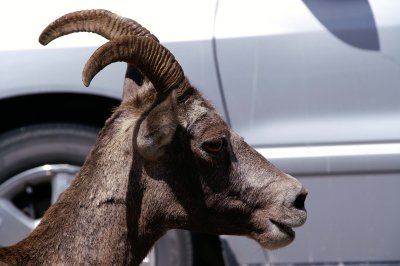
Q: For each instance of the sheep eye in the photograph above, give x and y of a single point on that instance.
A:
(213, 146)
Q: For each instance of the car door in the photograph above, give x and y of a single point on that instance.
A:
(315, 86)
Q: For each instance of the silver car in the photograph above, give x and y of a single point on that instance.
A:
(313, 85)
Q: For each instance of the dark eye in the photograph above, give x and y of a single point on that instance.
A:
(213, 146)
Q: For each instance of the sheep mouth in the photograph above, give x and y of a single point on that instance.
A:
(283, 228)
(276, 235)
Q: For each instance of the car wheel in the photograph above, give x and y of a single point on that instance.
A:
(37, 163)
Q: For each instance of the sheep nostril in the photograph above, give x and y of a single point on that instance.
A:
(300, 200)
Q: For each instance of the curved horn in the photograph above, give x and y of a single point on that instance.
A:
(151, 58)
(100, 21)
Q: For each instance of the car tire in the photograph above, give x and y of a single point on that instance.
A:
(34, 146)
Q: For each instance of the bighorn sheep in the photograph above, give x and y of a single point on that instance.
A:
(164, 159)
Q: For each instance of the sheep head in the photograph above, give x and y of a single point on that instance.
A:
(203, 175)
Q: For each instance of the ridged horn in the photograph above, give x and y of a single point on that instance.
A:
(151, 58)
(100, 21)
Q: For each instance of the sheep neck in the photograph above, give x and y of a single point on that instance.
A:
(98, 219)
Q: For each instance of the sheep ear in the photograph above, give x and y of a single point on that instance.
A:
(157, 129)
(132, 83)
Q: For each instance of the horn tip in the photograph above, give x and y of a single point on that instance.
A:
(86, 81)
(44, 37)
(42, 40)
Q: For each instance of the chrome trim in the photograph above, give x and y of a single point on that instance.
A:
(330, 150)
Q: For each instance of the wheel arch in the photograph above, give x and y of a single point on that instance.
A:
(39, 108)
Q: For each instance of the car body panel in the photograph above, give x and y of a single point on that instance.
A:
(304, 80)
